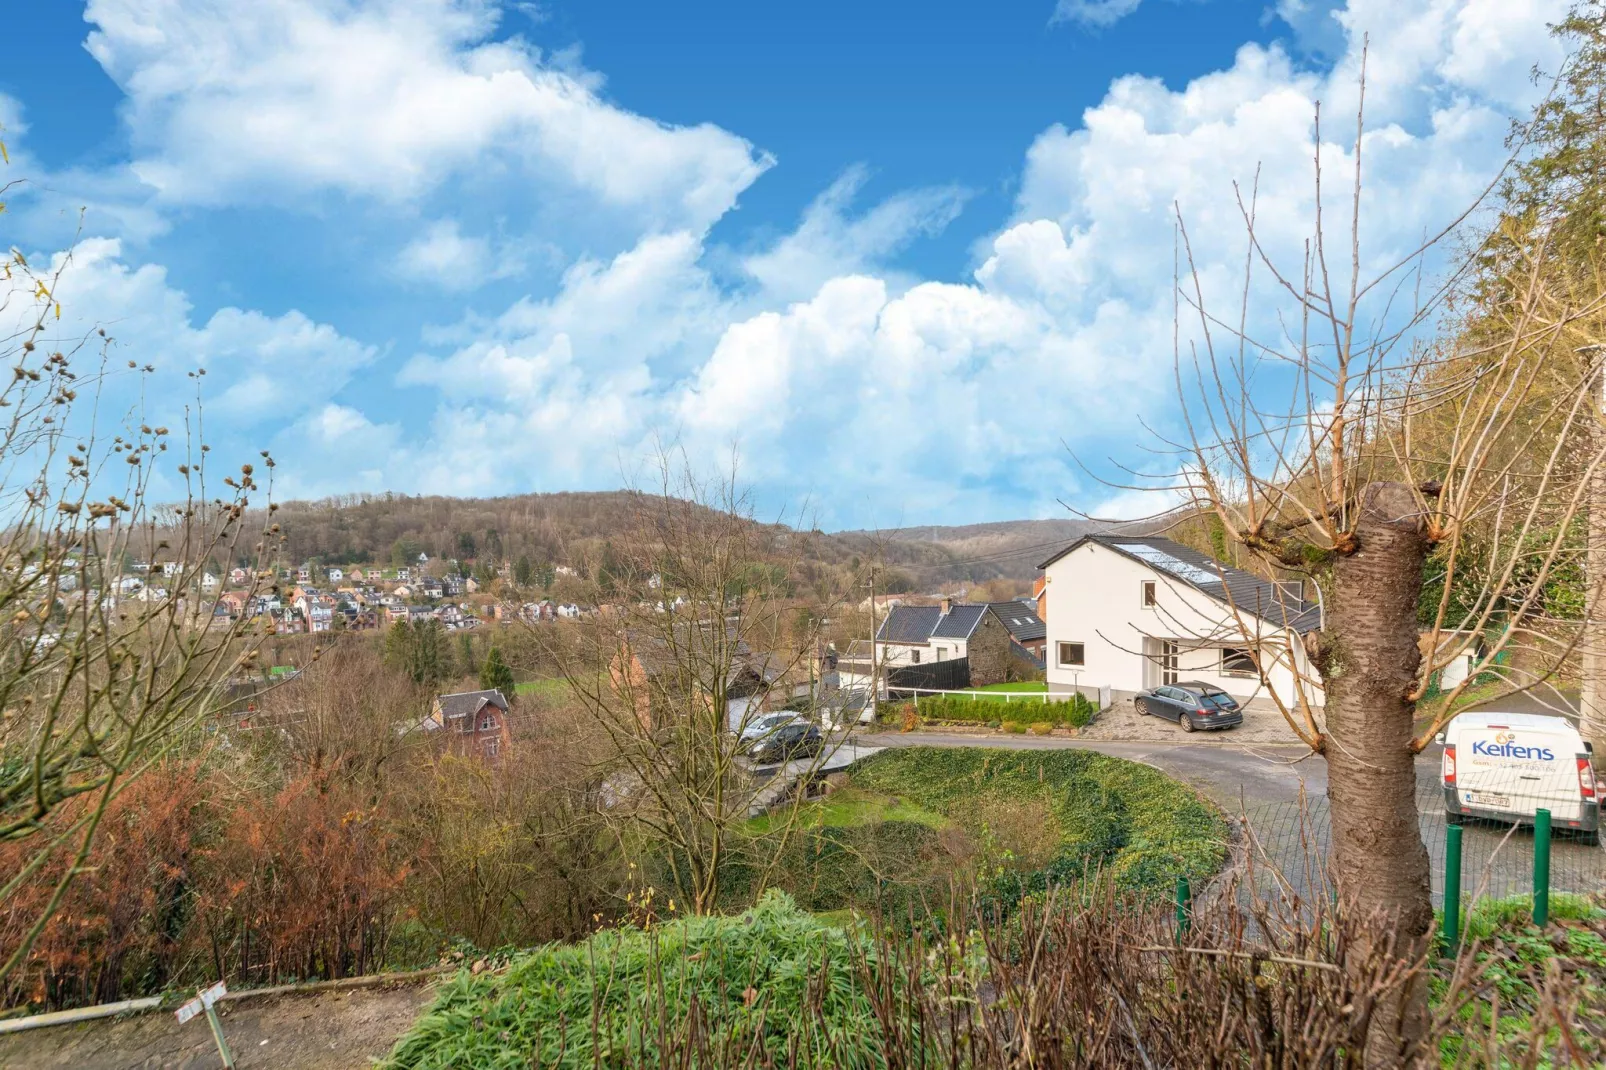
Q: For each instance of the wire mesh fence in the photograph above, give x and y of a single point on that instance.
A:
(1290, 842)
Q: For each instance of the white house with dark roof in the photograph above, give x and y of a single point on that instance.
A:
(984, 633)
(1131, 613)
(912, 635)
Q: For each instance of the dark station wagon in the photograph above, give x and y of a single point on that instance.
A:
(1192, 704)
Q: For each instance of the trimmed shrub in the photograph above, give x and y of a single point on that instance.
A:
(1075, 711)
(993, 724)
(1014, 728)
(1042, 728)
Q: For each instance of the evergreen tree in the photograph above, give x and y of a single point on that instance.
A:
(523, 571)
(434, 657)
(466, 660)
(496, 674)
(420, 651)
(1562, 182)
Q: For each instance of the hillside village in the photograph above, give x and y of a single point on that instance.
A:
(506, 556)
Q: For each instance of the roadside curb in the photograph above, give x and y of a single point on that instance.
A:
(155, 1003)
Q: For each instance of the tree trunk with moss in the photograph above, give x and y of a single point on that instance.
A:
(1370, 657)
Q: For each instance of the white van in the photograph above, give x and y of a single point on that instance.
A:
(1508, 766)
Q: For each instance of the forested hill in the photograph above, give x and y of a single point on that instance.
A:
(566, 528)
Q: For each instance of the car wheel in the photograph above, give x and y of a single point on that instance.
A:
(1589, 839)
(1186, 722)
(1143, 707)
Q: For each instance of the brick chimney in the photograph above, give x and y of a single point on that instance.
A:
(1040, 592)
(947, 606)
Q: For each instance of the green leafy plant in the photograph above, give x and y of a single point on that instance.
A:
(757, 975)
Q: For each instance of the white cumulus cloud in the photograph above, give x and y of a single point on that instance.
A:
(277, 98)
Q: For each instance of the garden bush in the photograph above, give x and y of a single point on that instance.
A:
(778, 987)
(1014, 728)
(1041, 728)
(765, 975)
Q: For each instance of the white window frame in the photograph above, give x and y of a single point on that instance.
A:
(1062, 661)
(488, 723)
(914, 657)
(1149, 594)
(492, 746)
(1252, 673)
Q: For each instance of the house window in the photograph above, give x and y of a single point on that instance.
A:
(1238, 661)
(487, 723)
(492, 745)
(914, 657)
(942, 653)
(1149, 600)
(1071, 655)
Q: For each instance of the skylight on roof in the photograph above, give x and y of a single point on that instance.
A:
(1166, 563)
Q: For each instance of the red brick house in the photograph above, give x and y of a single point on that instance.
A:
(475, 722)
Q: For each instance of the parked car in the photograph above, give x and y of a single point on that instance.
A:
(1508, 766)
(762, 726)
(788, 743)
(1192, 704)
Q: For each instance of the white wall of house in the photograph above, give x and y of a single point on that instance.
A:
(1095, 598)
(890, 654)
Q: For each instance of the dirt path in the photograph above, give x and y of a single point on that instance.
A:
(321, 1031)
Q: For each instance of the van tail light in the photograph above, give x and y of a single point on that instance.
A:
(1447, 765)
(1586, 779)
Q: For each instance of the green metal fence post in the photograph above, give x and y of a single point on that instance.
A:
(1452, 888)
(1542, 867)
(1184, 895)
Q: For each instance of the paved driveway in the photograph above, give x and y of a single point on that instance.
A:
(1280, 792)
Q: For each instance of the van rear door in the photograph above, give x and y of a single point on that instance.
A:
(1519, 771)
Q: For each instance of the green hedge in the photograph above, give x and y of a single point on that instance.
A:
(1075, 711)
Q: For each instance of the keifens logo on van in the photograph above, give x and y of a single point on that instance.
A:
(1505, 746)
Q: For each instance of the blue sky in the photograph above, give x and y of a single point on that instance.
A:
(900, 258)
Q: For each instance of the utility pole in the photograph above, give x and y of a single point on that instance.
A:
(1592, 700)
(870, 695)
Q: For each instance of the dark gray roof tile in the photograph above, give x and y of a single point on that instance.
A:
(1021, 619)
(909, 624)
(960, 622)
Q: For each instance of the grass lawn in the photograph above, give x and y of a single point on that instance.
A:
(849, 807)
(996, 692)
(1137, 824)
(542, 688)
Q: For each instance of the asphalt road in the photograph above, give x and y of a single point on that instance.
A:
(1280, 792)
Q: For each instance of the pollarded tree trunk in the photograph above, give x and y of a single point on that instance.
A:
(1592, 702)
(1370, 657)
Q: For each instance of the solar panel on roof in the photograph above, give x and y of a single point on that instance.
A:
(1166, 563)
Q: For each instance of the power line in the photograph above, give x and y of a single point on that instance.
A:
(996, 556)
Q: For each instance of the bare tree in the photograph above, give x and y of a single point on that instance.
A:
(1335, 438)
(102, 669)
(696, 638)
